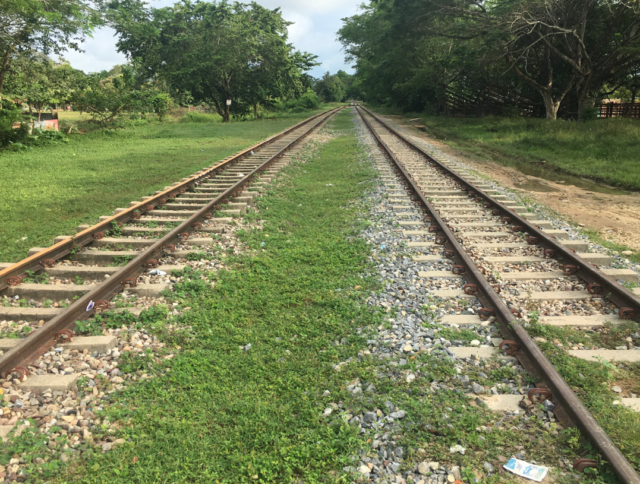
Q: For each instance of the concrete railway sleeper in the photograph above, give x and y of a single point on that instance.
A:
(498, 254)
(131, 254)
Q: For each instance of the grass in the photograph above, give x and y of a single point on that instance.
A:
(602, 150)
(598, 238)
(48, 191)
(226, 415)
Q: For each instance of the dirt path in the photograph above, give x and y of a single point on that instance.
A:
(616, 217)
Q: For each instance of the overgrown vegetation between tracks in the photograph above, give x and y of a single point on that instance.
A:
(48, 192)
(603, 150)
(228, 412)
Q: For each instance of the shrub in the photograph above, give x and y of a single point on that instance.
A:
(9, 115)
(589, 114)
(161, 103)
(41, 137)
(309, 100)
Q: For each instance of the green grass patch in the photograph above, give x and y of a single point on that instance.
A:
(598, 238)
(223, 414)
(48, 191)
(604, 150)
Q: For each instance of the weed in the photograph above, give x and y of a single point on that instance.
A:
(37, 278)
(116, 230)
(121, 260)
(256, 412)
(199, 256)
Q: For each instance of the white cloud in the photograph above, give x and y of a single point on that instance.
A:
(99, 52)
(316, 23)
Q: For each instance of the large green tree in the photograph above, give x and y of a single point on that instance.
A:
(36, 81)
(400, 61)
(218, 52)
(51, 26)
(409, 51)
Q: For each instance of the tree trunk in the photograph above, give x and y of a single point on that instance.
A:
(585, 100)
(255, 110)
(226, 113)
(551, 106)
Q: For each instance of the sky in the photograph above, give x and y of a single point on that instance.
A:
(316, 23)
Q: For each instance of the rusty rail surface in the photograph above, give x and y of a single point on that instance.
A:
(40, 340)
(529, 355)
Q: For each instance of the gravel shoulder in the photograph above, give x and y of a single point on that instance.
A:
(614, 216)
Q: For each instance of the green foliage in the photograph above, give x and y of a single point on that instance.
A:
(161, 102)
(52, 26)
(309, 100)
(131, 362)
(589, 114)
(19, 138)
(9, 115)
(331, 88)
(148, 318)
(234, 52)
(256, 412)
(198, 117)
(107, 98)
(409, 54)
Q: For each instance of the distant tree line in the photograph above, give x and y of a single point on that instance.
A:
(567, 53)
(338, 87)
(229, 57)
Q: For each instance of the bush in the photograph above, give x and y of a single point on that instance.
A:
(41, 137)
(309, 100)
(589, 114)
(161, 103)
(9, 115)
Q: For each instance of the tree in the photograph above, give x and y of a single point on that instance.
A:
(36, 80)
(216, 51)
(598, 40)
(330, 88)
(407, 51)
(48, 27)
(106, 97)
(399, 60)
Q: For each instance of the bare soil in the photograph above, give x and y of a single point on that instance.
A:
(616, 217)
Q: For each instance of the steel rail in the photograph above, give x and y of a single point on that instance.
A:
(40, 340)
(529, 354)
(627, 301)
(64, 247)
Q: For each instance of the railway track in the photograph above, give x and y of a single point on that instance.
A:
(508, 267)
(127, 259)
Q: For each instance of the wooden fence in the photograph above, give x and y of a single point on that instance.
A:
(497, 101)
(619, 110)
(490, 101)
